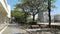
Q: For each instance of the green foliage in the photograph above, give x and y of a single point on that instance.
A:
(34, 6)
(19, 15)
(39, 5)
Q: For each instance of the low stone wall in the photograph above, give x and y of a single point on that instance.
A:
(43, 31)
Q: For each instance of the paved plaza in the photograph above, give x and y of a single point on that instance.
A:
(15, 29)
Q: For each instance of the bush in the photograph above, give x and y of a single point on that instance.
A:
(32, 23)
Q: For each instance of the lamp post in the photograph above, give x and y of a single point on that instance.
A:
(49, 11)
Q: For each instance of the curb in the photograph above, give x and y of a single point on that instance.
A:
(3, 29)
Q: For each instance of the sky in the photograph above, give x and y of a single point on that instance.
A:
(54, 12)
(12, 3)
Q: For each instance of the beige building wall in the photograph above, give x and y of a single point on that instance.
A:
(4, 12)
(2, 19)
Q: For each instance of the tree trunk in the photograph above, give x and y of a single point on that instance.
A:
(49, 11)
(25, 17)
(33, 17)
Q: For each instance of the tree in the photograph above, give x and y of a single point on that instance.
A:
(49, 10)
(19, 15)
(39, 5)
(31, 6)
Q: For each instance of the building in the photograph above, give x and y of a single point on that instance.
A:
(40, 17)
(46, 17)
(56, 18)
(43, 17)
(4, 12)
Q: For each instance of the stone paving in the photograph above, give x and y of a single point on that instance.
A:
(43, 31)
(13, 29)
(2, 26)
